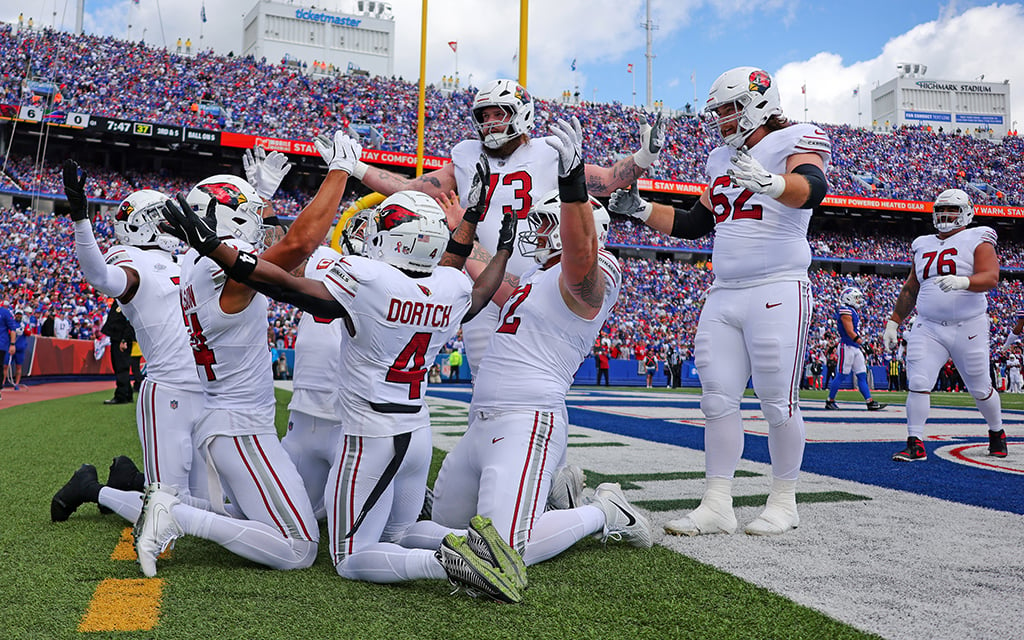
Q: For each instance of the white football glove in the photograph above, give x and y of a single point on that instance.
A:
(251, 161)
(652, 139)
(952, 283)
(568, 143)
(627, 202)
(748, 173)
(340, 153)
(1011, 339)
(270, 173)
(890, 336)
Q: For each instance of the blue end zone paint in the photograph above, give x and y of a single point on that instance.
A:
(867, 462)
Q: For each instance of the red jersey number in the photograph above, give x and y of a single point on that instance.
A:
(408, 366)
(510, 321)
(521, 183)
(723, 207)
(201, 352)
(943, 260)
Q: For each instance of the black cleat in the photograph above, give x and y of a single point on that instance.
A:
(82, 487)
(831, 405)
(124, 475)
(876, 406)
(997, 443)
(914, 451)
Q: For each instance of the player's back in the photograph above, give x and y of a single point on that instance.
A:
(317, 350)
(400, 325)
(155, 314)
(231, 351)
(844, 310)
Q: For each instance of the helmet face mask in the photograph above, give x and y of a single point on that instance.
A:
(952, 210)
(409, 231)
(137, 219)
(516, 106)
(543, 240)
(353, 235)
(740, 101)
(239, 210)
(852, 297)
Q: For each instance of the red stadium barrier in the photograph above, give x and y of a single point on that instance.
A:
(57, 357)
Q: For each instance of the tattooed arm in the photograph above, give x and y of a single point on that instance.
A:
(582, 282)
(601, 181)
(907, 298)
(433, 184)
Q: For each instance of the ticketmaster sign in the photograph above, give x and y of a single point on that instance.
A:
(313, 16)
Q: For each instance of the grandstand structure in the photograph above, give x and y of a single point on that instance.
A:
(133, 115)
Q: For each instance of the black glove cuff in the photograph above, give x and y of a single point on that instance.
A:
(573, 187)
(244, 265)
(472, 215)
(272, 221)
(459, 248)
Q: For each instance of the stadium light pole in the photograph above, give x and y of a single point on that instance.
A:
(524, 18)
(420, 110)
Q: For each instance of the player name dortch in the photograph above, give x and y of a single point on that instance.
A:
(419, 313)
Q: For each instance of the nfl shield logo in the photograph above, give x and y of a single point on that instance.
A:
(174, 404)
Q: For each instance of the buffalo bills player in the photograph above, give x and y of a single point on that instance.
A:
(953, 269)
(765, 178)
(851, 358)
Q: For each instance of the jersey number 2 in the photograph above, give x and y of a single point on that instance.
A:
(510, 321)
(408, 366)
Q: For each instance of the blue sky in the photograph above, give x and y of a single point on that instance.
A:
(832, 47)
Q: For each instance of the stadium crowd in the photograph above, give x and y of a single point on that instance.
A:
(260, 97)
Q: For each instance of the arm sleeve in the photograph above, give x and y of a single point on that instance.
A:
(693, 223)
(819, 185)
(311, 304)
(107, 279)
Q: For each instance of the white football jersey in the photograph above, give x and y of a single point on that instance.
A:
(757, 238)
(540, 343)
(155, 314)
(317, 351)
(230, 351)
(953, 256)
(518, 181)
(400, 324)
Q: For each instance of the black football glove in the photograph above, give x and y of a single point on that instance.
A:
(184, 224)
(476, 199)
(74, 189)
(507, 233)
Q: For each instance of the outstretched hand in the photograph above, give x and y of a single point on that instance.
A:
(568, 143)
(476, 199)
(74, 189)
(627, 202)
(652, 139)
(507, 233)
(185, 224)
(748, 173)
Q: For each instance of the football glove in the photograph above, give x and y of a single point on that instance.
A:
(74, 189)
(627, 202)
(184, 224)
(270, 173)
(251, 161)
(341, 153)
(476, 199)
(748, 173)
(952, 283)
(889, 336)
(567, 139)
(652, 139)
(507, 233)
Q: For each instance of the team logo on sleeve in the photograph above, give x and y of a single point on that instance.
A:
(425, 290)
(225, 193)
(393, 215)
(759, 81)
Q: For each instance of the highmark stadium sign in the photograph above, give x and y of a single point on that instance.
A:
(314, 16)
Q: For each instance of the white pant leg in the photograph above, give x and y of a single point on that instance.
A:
(164, 417)
(312, 443)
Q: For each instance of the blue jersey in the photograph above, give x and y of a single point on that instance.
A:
(843, 337)
(7, 325)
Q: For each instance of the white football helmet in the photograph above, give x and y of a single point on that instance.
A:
(408, 230)
(137, 219)
(852, 297)
(353, 235)
(239, 210)
(756, 99)
(543, 239)
(514, 101)
(952, 210)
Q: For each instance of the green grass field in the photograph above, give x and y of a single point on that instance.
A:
(49, 571)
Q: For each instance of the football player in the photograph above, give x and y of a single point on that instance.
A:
(227, 325)
(523, 169)
(765, 178)
(504, 465)
(952, 271)
(851, 358)
(400, 304)
(143, 275)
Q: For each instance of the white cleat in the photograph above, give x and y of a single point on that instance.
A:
(706, 519)
(779, 515)
(156, 529)
(622, 520)
(567, 488)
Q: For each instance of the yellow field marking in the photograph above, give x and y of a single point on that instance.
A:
(125, 548)
(123, 605)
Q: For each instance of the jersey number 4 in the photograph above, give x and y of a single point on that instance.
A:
(408, 366)
(944, 262)
(201, 352)
(738, 209)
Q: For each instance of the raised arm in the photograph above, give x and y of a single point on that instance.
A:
(602, 181)
(387, 182)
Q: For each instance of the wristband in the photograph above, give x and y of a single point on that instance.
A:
(573, 187)
(272, 221)
(460, 249)
(472, 215)
(359, 169)
(244, 265)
